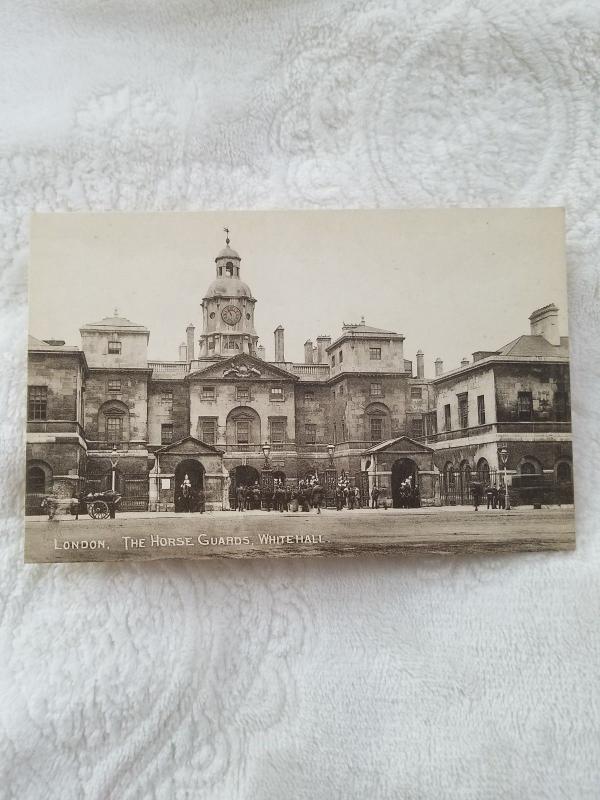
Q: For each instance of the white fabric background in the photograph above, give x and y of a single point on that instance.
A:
(397, 678)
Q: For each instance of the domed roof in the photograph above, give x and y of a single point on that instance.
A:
(228, 287)
(228, 252)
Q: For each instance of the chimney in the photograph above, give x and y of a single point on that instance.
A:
(464, 362)
(544, 322)
(260, 351)
(420, 364)
(323, 343)
(439, 366)
(190, 330)
(279, 351)
(308, 351)
(183, 351)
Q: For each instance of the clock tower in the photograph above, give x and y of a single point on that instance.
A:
(227, 310)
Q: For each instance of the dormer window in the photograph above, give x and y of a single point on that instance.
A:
(114, 347)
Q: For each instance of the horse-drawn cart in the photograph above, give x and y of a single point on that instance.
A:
(100, 505)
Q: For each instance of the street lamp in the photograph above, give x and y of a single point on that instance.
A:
(503, 453)
(266, 448)
(330, 450)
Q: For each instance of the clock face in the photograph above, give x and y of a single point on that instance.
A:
(231, 315)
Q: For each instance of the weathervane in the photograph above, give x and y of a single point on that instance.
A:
(227, 237)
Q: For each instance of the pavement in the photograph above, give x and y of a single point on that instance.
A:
(356, 513)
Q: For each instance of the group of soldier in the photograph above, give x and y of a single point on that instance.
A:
(309, 494)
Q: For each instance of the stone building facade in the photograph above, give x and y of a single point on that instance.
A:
(106, 416)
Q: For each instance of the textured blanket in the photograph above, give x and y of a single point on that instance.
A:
(368, 678)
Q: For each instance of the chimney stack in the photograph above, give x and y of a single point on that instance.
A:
(323, 343)
(190, 330)
(544, 322)
(439, 366)
(420, 364)
(183, 351)
(260, 351)
(279, 350)
(308, 351)
(464, 362)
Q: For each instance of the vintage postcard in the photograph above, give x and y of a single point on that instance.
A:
(274, 383)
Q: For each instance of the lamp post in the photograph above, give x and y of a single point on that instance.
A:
(503, 453)
(330, 450)
(113, 468)
(266, 448)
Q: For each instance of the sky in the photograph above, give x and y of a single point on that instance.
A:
(452, 281)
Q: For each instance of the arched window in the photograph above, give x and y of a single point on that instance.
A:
(36, 480)
(527, 468)
(483, 471)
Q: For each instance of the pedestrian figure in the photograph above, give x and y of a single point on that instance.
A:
(491, 496)
(477, 490)
(374, 496)
(502, 497)
(317, 496)
(256, 495)
(240, 499)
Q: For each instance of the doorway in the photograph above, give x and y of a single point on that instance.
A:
(402, 469)
(186, 498)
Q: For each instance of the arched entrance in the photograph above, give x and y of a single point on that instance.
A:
(241, 476)
(187, 500)
(402, 469)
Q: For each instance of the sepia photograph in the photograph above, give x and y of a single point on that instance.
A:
(288, 383)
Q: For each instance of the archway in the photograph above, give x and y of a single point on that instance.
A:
(241, 476)
(188, 500)
(402, 469)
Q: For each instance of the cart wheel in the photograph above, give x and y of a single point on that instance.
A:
(99, 510)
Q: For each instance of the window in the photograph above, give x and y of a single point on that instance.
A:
(167, 396)
(308, 397)
(480, 409)
(341, 390)
(208, 393)
(276, 394)
(376, 390)
(463, 410)
(310, 433)
(416, 427)
(242, 431)
(166, 434)
(341, 355)
(416, 393)
(333, 361)
(447, 418)
(527, 468)
(375, 353)
(37, 402)
(114, 429)
(211, 344)
(114, 347)
(230, 343)
(242, 394)
(229, 269)
(525, 405)
(277, 431)
(376, 429)
(114, 385)
(208, 431)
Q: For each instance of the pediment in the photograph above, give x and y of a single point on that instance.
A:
(189, 446)
(243, 367)
(401, 445)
